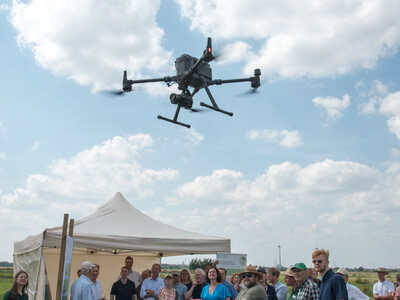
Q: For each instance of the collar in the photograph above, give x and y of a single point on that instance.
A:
(327, 274)
(303, 284)
(151, 278)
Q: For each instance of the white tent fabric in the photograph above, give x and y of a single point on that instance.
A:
(113, 231)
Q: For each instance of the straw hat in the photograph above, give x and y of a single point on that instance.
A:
(382, 270)
(251, 269)
(288, 272)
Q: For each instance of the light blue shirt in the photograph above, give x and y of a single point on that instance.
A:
(151, 284)
(181, 289)
(281, 290)
(97, 291)
(81, 289)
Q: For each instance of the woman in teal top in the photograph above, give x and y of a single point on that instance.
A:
(18, 288)
(215, 290)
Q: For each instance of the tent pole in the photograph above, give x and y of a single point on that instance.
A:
(62, 258)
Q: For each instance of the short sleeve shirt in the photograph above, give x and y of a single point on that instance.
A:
(332, 287)
(221, 292)
(123, 291)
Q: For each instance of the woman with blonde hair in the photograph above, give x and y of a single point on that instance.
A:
(18, 288)
(186, 279)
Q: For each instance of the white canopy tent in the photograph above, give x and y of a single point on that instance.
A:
(113, 231)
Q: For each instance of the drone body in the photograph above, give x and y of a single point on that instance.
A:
(195, 74)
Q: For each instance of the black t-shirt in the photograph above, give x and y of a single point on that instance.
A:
(123, 291)
(197, 290)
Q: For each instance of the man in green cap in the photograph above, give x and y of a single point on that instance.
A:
(306, 289)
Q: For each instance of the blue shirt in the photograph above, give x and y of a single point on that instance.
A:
(281, 290)
(332, 287)
(181, 289)
(221, 292)
(152, 284)
(231, 289)
(81, 289)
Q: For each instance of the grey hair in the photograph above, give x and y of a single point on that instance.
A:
(202, 272)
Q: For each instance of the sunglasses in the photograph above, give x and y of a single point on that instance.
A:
(247, 275)
(317, 261)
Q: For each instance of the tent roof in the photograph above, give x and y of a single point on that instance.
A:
(117, 225)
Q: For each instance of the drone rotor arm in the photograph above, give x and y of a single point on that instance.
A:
(255, 80)
(127, 83)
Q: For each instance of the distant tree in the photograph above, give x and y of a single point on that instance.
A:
(5, 264)
(360, 269)
(173, 266)
(199, 263)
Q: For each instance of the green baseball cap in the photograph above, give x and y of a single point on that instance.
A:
(300, 265)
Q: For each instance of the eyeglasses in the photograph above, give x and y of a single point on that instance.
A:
(247, 275)
(297, 270)
(317, 261)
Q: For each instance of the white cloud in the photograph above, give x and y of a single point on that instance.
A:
(234, 52)
(4, 7)
(105, 168)
(307, 38)
(283, 137)
(374, 94)
(35, 146)
(381, 101)
(92, 43)
(333, 107)
(324, 202)
(3, 155)
(192, 137)
(210, 186)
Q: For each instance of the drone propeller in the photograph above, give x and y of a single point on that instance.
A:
(251, 92)
(199, 110)
(112, 93)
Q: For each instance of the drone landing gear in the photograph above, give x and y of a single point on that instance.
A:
(175, 119)
(214, 104)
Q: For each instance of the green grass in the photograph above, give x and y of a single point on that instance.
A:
(6, 279)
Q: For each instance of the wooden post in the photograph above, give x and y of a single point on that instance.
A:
(62, 258)
(71, 228)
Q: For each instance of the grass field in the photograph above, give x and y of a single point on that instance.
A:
(6, 278)
(363, 280)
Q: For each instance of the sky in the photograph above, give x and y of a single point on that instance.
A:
(310, 161)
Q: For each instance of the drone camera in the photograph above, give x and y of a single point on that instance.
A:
(184, 100)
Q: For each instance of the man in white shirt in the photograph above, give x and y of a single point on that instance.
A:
(273, 279)
(383, 289)
(132, 274)
(96, 286)
(353, 292)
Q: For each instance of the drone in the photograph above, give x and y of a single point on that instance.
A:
(195, 74)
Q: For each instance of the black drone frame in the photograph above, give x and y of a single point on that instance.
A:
(194, 73)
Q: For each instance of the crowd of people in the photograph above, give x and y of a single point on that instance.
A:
(210, 283)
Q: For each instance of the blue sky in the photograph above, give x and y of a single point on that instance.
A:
(312, 160)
